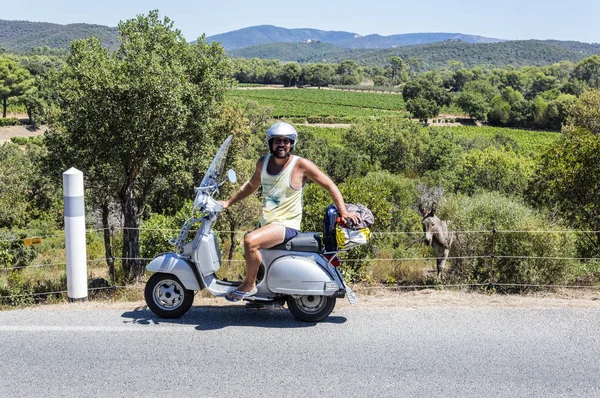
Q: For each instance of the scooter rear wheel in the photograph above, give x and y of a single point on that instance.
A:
(167, 297)
(311, 308)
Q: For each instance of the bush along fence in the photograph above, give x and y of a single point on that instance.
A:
(33, 269)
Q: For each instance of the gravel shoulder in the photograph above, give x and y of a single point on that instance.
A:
(388, 298)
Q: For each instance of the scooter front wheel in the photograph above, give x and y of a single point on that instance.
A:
(167, 297)
(311, 308)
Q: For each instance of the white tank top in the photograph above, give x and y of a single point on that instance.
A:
(282, 203)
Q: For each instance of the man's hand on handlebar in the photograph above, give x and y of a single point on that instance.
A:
(224, 203)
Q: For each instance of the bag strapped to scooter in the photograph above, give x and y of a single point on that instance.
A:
(338, 236)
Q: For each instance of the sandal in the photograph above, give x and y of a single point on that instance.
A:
(236, 295)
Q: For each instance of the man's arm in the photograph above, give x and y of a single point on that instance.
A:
(312, 172)
(247, 189)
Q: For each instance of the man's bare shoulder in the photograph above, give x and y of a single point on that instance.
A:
(304, 163)
(260, 161)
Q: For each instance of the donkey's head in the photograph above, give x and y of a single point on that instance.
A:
(430, 223)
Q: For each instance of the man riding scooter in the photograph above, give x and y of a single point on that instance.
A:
(282, 176)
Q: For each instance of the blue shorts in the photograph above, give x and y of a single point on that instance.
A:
(290, 233)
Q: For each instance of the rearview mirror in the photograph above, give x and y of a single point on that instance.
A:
(231, 175)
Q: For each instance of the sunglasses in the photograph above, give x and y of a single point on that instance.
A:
(284, 141)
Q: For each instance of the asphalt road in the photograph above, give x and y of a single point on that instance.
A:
(358, 351)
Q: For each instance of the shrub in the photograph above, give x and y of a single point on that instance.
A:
(523, 256)
(9, 121)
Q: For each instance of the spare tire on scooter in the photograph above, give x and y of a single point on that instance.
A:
(166, 296)
(311, 308)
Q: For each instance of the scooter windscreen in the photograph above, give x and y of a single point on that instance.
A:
(215, 170)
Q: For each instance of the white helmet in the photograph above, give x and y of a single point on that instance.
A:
(282, 129)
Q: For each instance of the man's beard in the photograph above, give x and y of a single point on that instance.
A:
(279, 155)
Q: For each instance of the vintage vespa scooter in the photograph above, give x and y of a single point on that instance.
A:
(300, 271)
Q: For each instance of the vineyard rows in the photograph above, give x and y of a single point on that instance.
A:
(302, 103)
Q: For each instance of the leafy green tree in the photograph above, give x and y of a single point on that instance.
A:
(321, 75)
(395, 145)
(132, 117)
(588, 70)
(398, 68)
(422, 109)
(426, 88)
(586, 111)
(381, 81)
(14, 81)
(483, 87)
(347, 72)
(499, 112)
(290, 73)
(27, 193)
(414, 66)
(460, 78)
(567, 180)
(558, 110)
(15, 177)
(473, 103)
(510, 95)
(521, 114)
(442, 159)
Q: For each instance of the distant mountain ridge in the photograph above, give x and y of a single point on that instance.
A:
(265, 34)
(24, 35)
(516, 53)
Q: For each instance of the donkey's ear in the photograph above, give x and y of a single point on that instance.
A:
(421, 209)
(433, 209)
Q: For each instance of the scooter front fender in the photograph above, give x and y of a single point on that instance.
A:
(171, 263)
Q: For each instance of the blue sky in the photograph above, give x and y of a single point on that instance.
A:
(503, 19)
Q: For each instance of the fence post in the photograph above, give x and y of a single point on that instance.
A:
(75, 244)
(491, 283)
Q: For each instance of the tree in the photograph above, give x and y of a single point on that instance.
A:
(588, 70)
(422, 109)
(473, 103)
(321, 75)
(586, 111)
(132, 117)
(398, 67)
(290, 73)
(460, 78)
(14, 81)
(425, 88)
(567, 180)
(499, 111)
(348, 73)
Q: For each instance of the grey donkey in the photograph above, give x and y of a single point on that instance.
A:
(437, 235)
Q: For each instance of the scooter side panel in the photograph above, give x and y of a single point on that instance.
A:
(171, 263)
(300, 275)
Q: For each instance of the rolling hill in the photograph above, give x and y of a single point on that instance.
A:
(516, 53)
(25, 35)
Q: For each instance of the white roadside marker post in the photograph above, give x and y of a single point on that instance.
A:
(75, 235)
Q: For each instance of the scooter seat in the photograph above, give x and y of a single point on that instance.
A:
(303, 242)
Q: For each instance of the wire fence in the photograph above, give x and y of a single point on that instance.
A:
(14, 244)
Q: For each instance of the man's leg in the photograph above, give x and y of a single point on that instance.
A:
(261, 238)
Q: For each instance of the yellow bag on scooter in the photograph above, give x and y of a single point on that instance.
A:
(347, 238)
